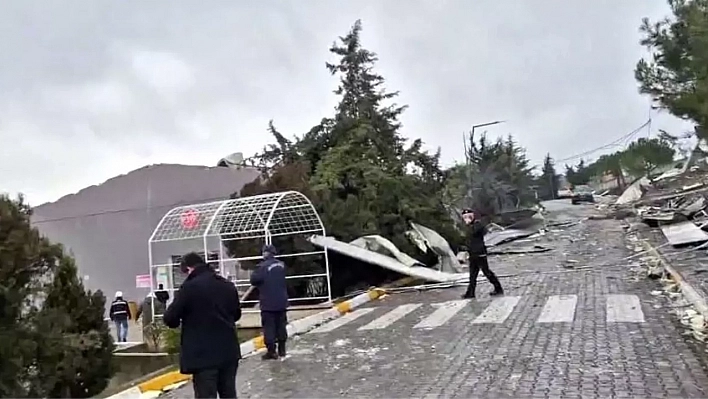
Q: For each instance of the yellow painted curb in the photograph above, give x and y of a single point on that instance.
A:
(173, 377)
(159, 382)
(375, 293)
(344, 307)
(258, 342)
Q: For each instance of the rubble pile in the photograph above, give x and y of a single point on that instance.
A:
(675, 201)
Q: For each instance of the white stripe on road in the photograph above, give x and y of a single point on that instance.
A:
(391, 317)
(497, 311)
(340, 321)
(559, 309)
(624, 309)
(444, 312)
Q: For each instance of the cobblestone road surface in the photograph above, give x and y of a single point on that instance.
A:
(562, 330)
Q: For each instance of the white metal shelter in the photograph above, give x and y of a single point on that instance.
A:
(206, 227)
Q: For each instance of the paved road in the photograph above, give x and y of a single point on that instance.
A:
(562, 330)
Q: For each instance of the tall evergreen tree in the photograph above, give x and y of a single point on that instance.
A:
(579, 174)
(675, 76)
(53, 340)
(75, 354)
(356, 166)
(549, 180)
(25, 258)
(497, 178)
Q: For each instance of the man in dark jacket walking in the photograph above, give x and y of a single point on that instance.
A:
(207, 307)
(477, 249)
(269, 278)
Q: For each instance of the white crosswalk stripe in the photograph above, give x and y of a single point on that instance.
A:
(556, 309)
(624, 309)
(498, 311)
(391, 317)
(559, 309)
(338, 322)
(444, 312)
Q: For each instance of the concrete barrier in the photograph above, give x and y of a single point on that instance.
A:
(152, 387)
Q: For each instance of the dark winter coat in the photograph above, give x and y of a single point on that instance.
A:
(162, 296)
(269, 277)
(207, 307)
(475, 238)
(119, 310)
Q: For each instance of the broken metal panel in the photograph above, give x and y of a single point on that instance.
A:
(384, 261)
(378, 244)
(519, 250)
(633, 192)
(500, 237)
(448, 260)
(684, 233)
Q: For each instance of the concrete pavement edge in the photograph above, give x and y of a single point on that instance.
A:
(154, 386)
(690, 293)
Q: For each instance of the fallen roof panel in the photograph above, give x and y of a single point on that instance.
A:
(684, 233)
(386, 262)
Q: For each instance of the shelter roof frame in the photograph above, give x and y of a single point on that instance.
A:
(265, 215)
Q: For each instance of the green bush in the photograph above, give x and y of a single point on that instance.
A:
(172, 340)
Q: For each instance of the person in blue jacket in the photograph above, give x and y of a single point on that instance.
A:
(269, 278)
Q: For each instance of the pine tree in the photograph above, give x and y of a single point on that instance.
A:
(357, 167)
(74, 357)
(53, 340)
(644, 155)
(549, 180)
(25, 259)
(497, 179)
(675, 74)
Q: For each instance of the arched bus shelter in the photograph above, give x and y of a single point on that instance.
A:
(207, 228)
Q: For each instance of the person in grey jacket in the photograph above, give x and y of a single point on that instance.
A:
(269, 278)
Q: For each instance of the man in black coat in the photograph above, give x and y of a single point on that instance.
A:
(477, 250)
(207, 307)
(269, 278)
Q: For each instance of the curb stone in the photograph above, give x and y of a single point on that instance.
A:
(165, 382)
(690, 293)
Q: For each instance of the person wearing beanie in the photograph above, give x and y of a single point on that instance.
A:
(477, 249)
(269, 278)
(207, 308)
(119, 314)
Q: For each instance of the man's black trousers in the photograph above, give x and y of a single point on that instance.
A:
(478, 263)
(210, 382)
(274, 328)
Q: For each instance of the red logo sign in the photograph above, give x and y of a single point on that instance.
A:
(189, 219)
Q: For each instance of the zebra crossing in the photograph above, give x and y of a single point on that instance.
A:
(556, 309)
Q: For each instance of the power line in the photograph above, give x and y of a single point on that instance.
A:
(620, 141)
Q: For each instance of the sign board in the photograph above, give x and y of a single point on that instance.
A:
(142, 281)
(189, 219)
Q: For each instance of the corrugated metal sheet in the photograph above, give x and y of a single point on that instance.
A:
(684, 233)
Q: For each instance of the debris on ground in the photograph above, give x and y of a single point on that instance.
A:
(671, 295)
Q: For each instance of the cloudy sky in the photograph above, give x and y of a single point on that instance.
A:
(92, 89)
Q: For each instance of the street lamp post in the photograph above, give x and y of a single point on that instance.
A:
(464, 139)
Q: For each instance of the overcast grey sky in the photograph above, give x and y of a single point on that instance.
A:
(92, 89)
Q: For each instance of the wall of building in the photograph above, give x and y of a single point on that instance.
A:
(107, 227)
